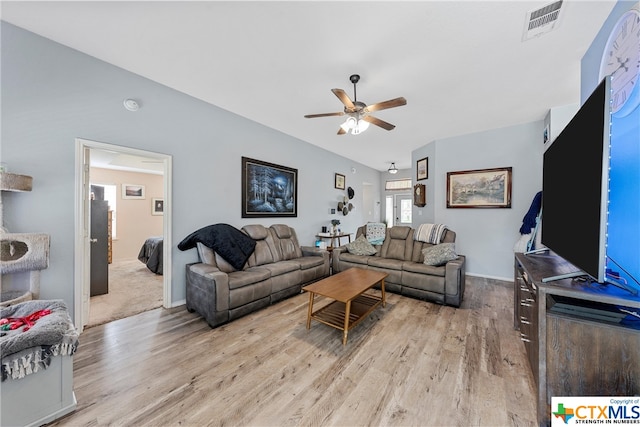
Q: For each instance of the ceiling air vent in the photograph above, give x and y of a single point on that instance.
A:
(543, 20)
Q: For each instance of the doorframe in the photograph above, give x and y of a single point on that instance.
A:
(81, 246)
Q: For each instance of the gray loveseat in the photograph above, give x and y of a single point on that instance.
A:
(400, 256)
(277, 269)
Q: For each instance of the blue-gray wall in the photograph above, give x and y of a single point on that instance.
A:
(52, 94)
(486, 236)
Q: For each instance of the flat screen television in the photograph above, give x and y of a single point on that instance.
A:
(575, 189)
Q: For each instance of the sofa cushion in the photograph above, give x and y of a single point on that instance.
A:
(400, 232)
(281, 267)
(249, 276)
(206, 254)
(421, 268)
(209, 256)
(398, 243)
(355, 259)
(307, 262)
(388, 263)
(287, 246)
(264, 252)
(439, 254)
(283, 231)
(361, 246)
(223, 265)
(255, 231)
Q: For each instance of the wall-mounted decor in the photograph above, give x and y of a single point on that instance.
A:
(419, 195)
(157, 206)
(422, 167)
(339, 181)
(132, 191)
(545, 135)
(483, 188)
(268, 190)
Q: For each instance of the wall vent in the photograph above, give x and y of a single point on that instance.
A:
(542, 20)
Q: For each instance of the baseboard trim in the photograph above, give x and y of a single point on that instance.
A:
(486, 276)
(178, 303)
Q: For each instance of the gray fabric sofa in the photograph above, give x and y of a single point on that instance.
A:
(400, 256)
(277, 269)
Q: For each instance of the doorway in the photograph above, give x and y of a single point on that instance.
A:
(84, 151)
(402, 209)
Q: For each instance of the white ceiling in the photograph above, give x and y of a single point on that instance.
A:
(461, 65)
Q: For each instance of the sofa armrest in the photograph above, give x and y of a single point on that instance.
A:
(335, 258)
(454, 280)
(313, 251)
(208, 292)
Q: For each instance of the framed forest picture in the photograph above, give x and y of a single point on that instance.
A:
(268, 190)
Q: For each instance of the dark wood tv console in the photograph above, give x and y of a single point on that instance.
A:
(573, 332)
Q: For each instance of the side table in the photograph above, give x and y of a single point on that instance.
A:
(334, 237)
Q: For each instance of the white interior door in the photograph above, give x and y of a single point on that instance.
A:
(402, 209)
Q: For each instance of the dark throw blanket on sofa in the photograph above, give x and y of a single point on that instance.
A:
(228, 242)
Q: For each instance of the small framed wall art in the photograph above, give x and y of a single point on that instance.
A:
(132, 191)
(339, 181)
(157, 206)
(482, 188)
(422, 169)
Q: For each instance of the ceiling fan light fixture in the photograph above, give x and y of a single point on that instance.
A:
(393, 169)
(354, 125)
(362, 125)
(349, 124)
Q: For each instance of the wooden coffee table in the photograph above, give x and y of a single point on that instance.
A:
(351, 304)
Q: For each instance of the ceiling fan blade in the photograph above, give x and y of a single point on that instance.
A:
(378, 122)
(344, 98)
(397, 102)
(313, 116)
(341, 131)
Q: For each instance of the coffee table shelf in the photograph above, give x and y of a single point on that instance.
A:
(333, 313)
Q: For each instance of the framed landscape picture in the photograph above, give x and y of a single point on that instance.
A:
(422, 168)
(268, 190)
(132, 191)
(483, 188)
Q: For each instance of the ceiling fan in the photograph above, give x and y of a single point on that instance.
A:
(358, 112)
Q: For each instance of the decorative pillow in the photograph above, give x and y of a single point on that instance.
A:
(439, 254)
(376, 232)
(361, 246)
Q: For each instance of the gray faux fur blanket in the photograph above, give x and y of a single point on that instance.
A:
(25, 352)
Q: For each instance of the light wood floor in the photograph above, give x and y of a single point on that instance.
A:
(411, 363)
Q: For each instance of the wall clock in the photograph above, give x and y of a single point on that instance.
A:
(419, 196)
(621, 59)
